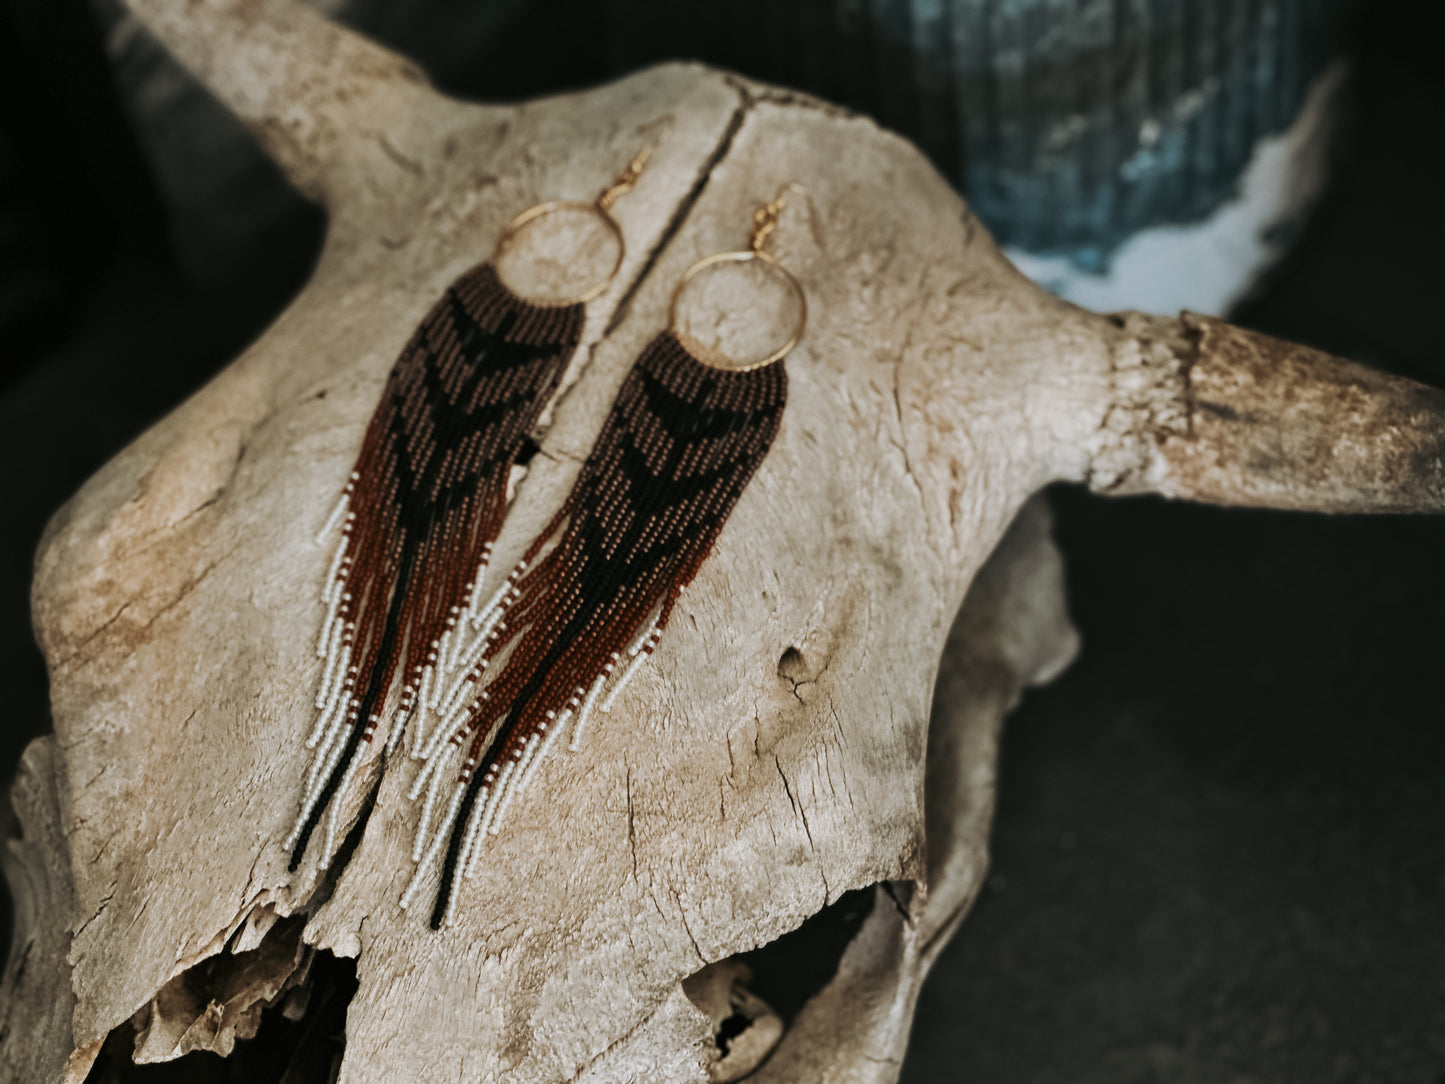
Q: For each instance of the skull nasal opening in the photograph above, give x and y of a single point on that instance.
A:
(299, 1037)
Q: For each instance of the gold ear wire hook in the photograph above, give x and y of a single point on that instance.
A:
(765, 218)
(625, 180)
(765, 221)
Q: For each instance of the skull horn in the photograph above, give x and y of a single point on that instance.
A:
(1235, 417)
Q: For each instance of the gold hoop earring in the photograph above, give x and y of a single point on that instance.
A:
(765, 221)
(601, 207)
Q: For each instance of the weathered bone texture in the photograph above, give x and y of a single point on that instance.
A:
(1013, 631)
(777, 751)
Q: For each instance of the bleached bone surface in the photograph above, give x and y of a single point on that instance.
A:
(774, 755)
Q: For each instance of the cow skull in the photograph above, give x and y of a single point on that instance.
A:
(782, 765)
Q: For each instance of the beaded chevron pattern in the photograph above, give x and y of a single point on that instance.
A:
(578, 621)
(419, 515)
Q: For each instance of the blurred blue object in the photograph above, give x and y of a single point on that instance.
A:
(1073, 128)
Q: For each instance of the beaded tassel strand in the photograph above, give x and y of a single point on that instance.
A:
(680, 444)
(420, 511)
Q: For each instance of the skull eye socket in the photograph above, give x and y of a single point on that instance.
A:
(791, 971)
(754, 997)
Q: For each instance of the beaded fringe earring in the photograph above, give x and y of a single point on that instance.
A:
(680, 443)
(425, 503)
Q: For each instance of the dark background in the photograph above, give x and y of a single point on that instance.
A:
(1217, 856)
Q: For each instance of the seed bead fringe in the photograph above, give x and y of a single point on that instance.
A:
(681, 442)
(420, 511)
